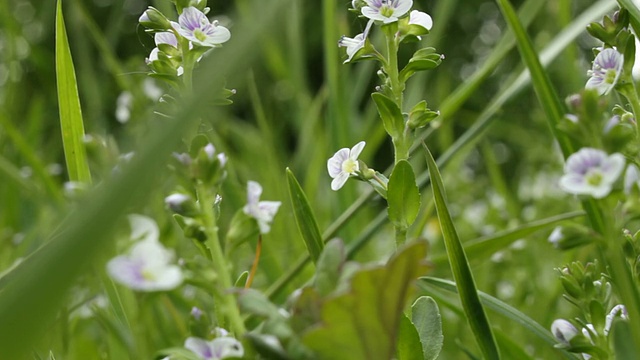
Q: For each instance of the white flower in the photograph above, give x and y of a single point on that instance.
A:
(591, 172)
(343, 164)
(631, 178)
(262, 211)
(555, 236)
(563, 330)
(218, 348)
(606, 71)
(421, 19)
(355, 44)
(194, 25)
(618, 309)
(147, 266)
(387, 11)
(162, 38)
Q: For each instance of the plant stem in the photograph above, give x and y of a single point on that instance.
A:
(227, 302)
(400, 144)
(401, 236)
(632, 97)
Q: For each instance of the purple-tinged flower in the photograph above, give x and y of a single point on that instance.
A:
(147, 266)
(591, 172)
(162, 38)
(563, 330)
(344, 163)
(355, 44)
(196, 313)
(218, 348)
(194, 25)
(387, 11)
(262, 211)
(606, 71)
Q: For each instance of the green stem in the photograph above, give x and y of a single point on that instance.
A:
(632, 97)
(401, 236)
(226, 301)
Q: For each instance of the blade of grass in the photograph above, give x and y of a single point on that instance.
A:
(473, 309)
(483, 247)
(501, 308)
(69, 103)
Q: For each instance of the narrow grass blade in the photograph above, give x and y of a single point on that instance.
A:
(483, 247)
(69, 103)
(304, 218)
(473, 309)
(503, 309)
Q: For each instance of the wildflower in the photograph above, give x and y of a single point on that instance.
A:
(344, 163)
(262, 211)
(147, 266)
(617, 310)
(563, 330)
(162, 38)
(355, 44)
(556, 236)
(606, 71)
(194, 25)
(387, 11)
(591, 172)
(421, 19)
(218, 348)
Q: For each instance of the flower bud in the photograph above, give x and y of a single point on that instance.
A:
(153, 19)
(563, 331)
(181, 204)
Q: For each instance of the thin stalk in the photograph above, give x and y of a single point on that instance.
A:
(227, 302)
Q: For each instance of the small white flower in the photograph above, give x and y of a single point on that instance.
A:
(606, 71)
(591, 172)
(343, 164)
(555, 236)
(194, 25)
(563, 330)
(262, 211)
(147, 266)
(387, 11)
(218, 348)
(421, 19)
(617, 310)
(162, 38)
(355, 44)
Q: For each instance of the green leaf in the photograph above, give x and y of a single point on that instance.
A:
(363, 324)
(304, 218)
(242, 279)
(425, 315)
(329, 267)
(409, 347)
(504, 309)
(623, 340)
(423, 59)
(69, 103)
(460, 267)
(390, 113)
(403, 195)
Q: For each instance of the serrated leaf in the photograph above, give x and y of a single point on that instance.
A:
(391, 115)
(304, 218)
(71, 122)
(473, 309)
(409, 347)
(363, 324)
(425, 315)
(403, 195)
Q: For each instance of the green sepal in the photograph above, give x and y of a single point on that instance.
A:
(403, 195)
(242, 228)
(420, 115)
(392, 118)
(423, 59)
(305, 218)
(192, 228)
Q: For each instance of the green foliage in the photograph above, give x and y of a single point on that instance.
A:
(364, 322)
(403, 195)
(305, 218)
(425, 315)
(392, 117)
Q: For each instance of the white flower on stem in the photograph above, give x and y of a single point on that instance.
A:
(167, 38)
(355, 44)
(218, 348)
(606, 71)
(387, 11)
(262, 211)
(147, 266)
(617, 310)
(591, 172)
(421, 19)
(563, 330)
(343, 164)
(194, 25)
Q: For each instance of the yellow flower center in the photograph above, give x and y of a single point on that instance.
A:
(386, 11)
(199, 35)
(610, 76)
(594, 178)
(350, 166)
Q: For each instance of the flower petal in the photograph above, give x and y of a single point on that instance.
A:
(356, 150)
(254, 190)
(143, 228)
(192, 18)
(334, 164)
(422, 19)
(339, 181)
(224, 347)
(373, 14)
(199, 346)
(402, 7)
(613, 167)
